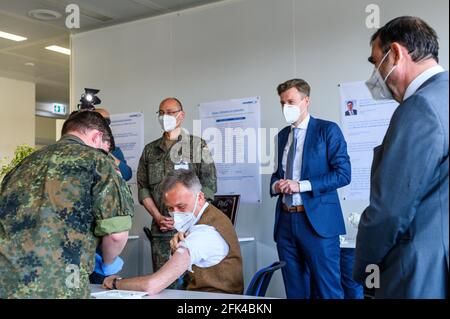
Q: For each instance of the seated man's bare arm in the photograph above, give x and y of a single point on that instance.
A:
(158, 281)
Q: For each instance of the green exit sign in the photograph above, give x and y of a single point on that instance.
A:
(59, 109)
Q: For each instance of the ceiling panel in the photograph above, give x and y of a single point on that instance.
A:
(39, 53)
(5, 43)
(20, 9)
(33, 30)
(173, 5)
(51, 70)
(116, 9)
(12, 63)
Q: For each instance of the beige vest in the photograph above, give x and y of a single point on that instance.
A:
(226, 276)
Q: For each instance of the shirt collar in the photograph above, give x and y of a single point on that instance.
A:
(421, 79)
(184, 134)
(304, 124)
(72, 138)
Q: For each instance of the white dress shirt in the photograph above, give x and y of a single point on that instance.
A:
(206, 246)
(305, 185)
(421, 79)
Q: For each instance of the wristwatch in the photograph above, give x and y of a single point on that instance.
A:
(114, 282)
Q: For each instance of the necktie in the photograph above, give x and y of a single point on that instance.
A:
(290, 162)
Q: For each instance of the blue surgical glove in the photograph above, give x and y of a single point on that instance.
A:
(107, 270)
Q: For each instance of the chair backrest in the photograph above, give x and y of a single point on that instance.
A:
(260, 281)
(228, 204)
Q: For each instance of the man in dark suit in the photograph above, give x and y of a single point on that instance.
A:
(312, 164)
(404, 231)
(350, 109)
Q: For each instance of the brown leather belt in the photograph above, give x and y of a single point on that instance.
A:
(293, 209)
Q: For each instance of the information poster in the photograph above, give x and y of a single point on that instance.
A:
(231, 130)
(364, 125)
(128, 131)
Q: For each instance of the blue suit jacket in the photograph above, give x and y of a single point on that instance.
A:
(405, 228)
(326, 165)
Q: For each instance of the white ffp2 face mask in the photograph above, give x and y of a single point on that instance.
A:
(183, 221)
(292, 113)
(168, 123)
(377, 85)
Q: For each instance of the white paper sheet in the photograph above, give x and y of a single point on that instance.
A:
(118, 294)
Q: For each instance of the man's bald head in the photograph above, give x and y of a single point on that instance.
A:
(171, 101)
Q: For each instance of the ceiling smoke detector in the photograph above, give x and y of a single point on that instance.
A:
(44, 14)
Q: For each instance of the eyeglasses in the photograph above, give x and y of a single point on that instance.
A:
(161, 113)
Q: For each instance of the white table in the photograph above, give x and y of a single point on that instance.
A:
(241, 239)
(184, 294)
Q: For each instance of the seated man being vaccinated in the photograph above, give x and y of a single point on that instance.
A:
(206, 245)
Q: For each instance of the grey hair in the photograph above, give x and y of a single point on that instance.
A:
(185, 177)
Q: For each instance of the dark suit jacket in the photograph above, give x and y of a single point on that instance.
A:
(405, 229)
(326, 165)
(354, 112)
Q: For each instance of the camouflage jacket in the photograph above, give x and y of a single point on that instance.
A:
(157, 160)
(54, 207)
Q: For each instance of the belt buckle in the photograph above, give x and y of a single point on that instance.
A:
(288, 209)
(297, 209)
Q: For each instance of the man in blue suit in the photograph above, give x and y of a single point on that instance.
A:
(312, 164)
(404, 231)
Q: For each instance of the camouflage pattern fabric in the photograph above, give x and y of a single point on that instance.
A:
(157, 160)
(54, 207)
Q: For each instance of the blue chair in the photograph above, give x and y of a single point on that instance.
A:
(260, 281)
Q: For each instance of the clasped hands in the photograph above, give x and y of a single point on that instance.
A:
(287, 186)
(165, 223)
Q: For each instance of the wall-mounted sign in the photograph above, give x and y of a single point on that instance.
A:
(59, 109)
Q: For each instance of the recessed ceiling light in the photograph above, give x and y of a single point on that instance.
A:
(29, 64)
(58, 49)
(44, 14)
(11, 36)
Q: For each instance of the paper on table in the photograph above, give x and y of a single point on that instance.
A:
(118, 294)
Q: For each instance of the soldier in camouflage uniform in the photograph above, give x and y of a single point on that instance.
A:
(176, 149)
(55, 208)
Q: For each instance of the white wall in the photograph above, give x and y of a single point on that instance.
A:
(17, 109)
(45, 130)
(234, 49)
